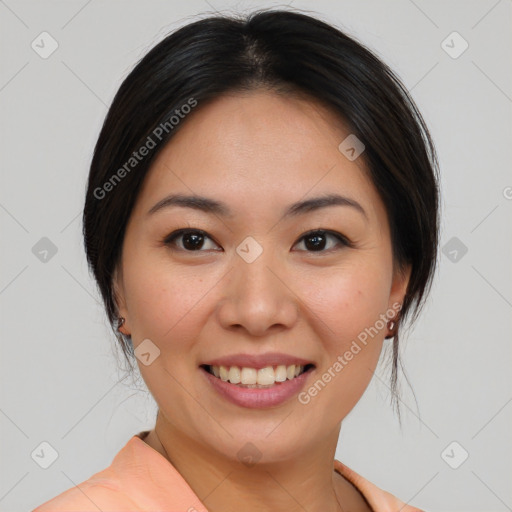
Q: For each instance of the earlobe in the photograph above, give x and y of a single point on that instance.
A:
(121, 328)
(118, 292)
(399, 287)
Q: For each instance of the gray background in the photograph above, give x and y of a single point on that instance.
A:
(61, 379)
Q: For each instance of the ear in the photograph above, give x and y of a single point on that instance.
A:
(119, 298)
(399, 285)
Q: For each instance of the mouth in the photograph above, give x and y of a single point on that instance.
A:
(267, 377)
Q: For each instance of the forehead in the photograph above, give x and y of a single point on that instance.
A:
(258, 148)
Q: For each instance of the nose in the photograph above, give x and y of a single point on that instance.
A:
(258, 297)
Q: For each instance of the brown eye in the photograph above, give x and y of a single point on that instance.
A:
(317, 241)
(192, 240)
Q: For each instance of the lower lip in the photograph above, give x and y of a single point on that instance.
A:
(258, 398)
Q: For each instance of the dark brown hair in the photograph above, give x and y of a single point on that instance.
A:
(282, 51)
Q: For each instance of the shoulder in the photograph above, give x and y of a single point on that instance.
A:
(86, 497)
(378, 499)
(103, 491)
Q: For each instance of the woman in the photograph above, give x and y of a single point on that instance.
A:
(261, 213)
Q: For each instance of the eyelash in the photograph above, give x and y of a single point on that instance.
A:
(170, 239)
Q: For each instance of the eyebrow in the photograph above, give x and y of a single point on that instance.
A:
(215, 207)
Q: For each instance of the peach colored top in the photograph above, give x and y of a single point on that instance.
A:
(140, 479)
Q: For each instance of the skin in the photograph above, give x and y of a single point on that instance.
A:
(257, 152)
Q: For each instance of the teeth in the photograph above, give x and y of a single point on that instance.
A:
(267, 376)
(234, 375)
(223, 373)
(249, 376)
(281, 373)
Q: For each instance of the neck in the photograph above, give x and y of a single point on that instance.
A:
(306, 481)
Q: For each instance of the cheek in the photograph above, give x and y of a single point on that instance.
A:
(171, 304)
(347, 299)
(346, 307)
(166, 307)
(162, 299)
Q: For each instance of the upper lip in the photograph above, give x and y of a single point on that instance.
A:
(257, 361)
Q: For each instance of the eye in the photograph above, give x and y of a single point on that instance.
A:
(315, 241)
(192, 239)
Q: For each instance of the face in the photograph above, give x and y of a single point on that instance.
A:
(251, 279)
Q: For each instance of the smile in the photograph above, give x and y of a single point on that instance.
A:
(270, 386)
(257, 378)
